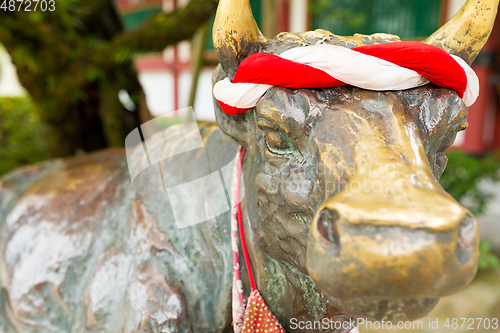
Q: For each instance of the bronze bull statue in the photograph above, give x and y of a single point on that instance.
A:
(83, 251)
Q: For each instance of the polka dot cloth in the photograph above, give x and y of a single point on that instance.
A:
(258, 318)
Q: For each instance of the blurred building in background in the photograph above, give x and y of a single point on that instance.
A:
(167, 77)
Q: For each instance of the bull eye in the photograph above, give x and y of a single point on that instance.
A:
(327, 227)
(465, 240)
(277, 142)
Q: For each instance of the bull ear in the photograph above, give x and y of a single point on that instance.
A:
(239, 127)
(465, 34)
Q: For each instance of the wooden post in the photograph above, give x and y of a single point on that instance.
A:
(199, 39)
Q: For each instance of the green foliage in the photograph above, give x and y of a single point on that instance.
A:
(406, 18)
(351, 17)
(461, 179)
(487, 259)
(463, 174)
(21, 134)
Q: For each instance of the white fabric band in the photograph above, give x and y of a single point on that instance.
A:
(354, 68)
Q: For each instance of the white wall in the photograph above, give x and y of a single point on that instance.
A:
(159, 90)
(298, 15)
(453, 7)
(203, 102)
(9, 83)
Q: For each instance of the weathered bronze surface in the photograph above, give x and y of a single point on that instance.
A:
(343, 214)
(386, 241)
(83, 251)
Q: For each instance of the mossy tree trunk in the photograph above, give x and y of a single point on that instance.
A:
(74, 60)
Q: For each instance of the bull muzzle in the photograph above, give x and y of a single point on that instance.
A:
(392, 241)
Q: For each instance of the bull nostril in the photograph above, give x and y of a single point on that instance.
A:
(327, 227)
(465, 240)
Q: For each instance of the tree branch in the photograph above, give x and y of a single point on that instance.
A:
(160, 31)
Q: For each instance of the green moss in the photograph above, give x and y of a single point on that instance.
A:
(21, 134)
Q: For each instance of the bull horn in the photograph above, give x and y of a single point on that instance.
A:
(465, 34)
(236, 34)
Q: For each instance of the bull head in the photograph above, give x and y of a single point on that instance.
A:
(342, 182)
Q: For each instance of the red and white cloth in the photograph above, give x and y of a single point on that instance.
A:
(388, 66)
(255, 317)
(238, 299)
